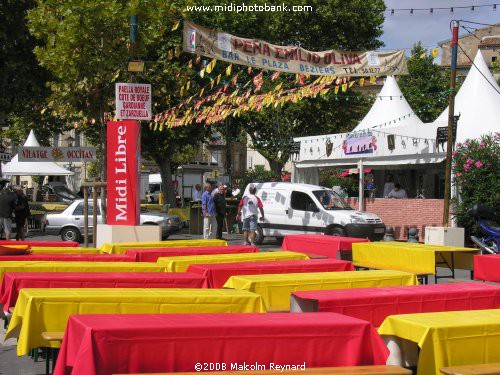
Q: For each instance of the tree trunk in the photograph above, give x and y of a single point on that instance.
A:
(276, 166)
(104, 169)
(166, 181)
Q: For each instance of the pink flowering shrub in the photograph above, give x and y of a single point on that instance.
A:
(476, 173)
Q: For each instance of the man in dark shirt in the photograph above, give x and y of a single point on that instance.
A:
(22, 213)
(221, 209)
(7, 205)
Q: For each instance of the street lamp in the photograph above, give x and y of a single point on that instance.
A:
(70, 140)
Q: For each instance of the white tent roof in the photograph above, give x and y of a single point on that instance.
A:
(477, 102)
(390, 109)
(29, 168)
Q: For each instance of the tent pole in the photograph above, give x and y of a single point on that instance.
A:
(361, 185)
(451, 113)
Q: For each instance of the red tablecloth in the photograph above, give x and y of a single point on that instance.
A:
(487, 267)
(15, 281)
(375, 304)
(319, 244)
(42, 243)
(152, 254)
(69, 257)
(118, 344)
(218, 274)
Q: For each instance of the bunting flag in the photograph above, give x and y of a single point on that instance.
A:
(373, 80)
(235, 79)
(190, 64)
(176, 25)
(258, 81)
(226, 102)
(275, 75)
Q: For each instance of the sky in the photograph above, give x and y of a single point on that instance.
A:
(402, 29)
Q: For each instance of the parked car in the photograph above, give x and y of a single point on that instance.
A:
(291, 208)
(69, 223)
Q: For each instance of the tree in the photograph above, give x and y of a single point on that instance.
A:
(476, 171)
(426, 87)
(22, 79)
(332, 24)
(84, 44)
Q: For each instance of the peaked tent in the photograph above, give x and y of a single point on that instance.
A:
(29, 168)
(477, 102)
(389, 110)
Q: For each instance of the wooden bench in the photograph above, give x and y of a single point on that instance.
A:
(51, 337)
(350, 370)
(485, 369)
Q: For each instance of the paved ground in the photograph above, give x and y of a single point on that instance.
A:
(10, 364)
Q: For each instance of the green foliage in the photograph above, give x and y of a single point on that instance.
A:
(331, 177)
(22, 79)
(341, 24)
(426, 87)
(476, 174)
(258, 174)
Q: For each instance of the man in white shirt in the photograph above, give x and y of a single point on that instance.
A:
(248, 212)
(397, 192)
(197, 192)
(389, 186)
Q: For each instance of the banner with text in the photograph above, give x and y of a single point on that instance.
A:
(291, 59)
(124, 160)
(58, 154)
(133, 101)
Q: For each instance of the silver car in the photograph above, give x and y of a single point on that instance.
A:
(69, 223)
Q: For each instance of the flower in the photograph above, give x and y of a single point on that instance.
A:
(478, 164)
(458, 174)
(469, 161)
(454, 153)
(466, 167)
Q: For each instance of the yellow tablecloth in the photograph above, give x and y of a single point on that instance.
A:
(120, 248)
(181, 263)
(41, 310)
(410, 257)
(64, 250)
(449, 338)
(48, 266)
(276, 289)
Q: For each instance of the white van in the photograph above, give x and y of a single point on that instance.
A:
(291, 208)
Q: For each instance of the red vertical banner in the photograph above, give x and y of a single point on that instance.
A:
(124, 160)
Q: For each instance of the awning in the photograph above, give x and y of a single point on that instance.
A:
(351, 171)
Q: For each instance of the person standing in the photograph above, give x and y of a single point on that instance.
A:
(208, 211)
(221, 209)
(197, 192)
(22, 212)
(248, 212)
(388, 186)
(7, 206)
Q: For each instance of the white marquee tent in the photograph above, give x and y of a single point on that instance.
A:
(390, 105)
(18, 168)
(477, 102)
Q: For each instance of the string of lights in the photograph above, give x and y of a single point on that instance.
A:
(411, 11)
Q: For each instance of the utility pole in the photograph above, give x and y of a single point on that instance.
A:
(451, 119)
